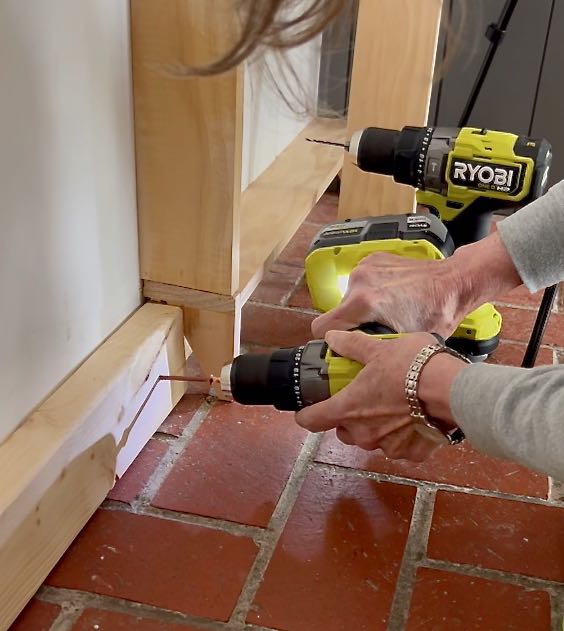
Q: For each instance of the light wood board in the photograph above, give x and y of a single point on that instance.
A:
(277, 202)
(59, 465)
(188, 134)
(392, 74)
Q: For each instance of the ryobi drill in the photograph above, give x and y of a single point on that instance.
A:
(463, 176)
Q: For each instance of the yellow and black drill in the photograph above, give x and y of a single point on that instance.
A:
(463, 176)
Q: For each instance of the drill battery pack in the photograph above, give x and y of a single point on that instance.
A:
(339, 247)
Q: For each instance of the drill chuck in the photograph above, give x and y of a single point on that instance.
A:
(401, 154)
(289, 378)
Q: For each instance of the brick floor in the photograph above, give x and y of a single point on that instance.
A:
(100, 620)
(236, 467)
(235, 519)
(130, 486)
(37, 616)
(343, 544)
(118, 554)
(443, 601)
(498, 534)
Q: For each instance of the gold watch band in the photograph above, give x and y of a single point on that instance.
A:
(452, 436)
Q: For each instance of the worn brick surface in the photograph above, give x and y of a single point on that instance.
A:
(521, 296)
(498, 534)
(325, 211)
(443, 601)
(512, 353)
(236, 466)
(337, 562)
(270, 326)
(130, 486)
(301, 298)
(98, 620)
(183, 413)
(298, 247)
(518, 324)
(159, 562)
(37, 616)
(460, 465)
(277, 283)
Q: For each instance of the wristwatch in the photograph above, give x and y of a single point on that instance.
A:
(431, 427)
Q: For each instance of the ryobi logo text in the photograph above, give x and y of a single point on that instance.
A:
(490, 177)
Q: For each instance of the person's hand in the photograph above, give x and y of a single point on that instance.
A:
(421, 295)
(404, 294)
(372, 411)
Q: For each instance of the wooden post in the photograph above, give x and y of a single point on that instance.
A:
(392, 74)
(188, 133)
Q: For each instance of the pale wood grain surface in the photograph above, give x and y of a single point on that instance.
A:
(391, 87)
(58, 466)
(188, 144)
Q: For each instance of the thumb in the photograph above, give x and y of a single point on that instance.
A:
(333, 320)
(352, 344)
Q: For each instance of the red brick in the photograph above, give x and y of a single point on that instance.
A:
(183, 413)
(453, 602)
(270, 326)
(460, 466)
(158, 562)
(236, 466)
(130, 486)
(297, 250)
(512, 353)
(325, 211)
(518, 324)
(300, 297)
(98, 620)
(521, 296)
(498, 534)
(336, 564)
(277, 284)
(37, 616)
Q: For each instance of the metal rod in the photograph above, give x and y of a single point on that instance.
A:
(495, 34)
(329, 142)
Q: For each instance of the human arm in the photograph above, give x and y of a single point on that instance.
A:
(512, 413)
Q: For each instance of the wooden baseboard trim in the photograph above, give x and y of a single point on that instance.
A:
(59, 465)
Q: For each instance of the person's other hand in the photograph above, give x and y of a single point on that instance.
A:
(404, 294)
(372, 411)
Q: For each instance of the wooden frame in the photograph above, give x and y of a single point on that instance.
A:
(59, 465)
(204, 245)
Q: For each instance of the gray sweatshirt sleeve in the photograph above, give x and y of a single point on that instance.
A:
(517, 413)
(513, 413)
(534, 238)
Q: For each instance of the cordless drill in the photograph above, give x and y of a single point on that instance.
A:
(462, 177)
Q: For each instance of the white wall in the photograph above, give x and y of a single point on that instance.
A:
(68, 228)
(269, 125)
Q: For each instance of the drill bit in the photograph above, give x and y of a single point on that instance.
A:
(329, 142)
